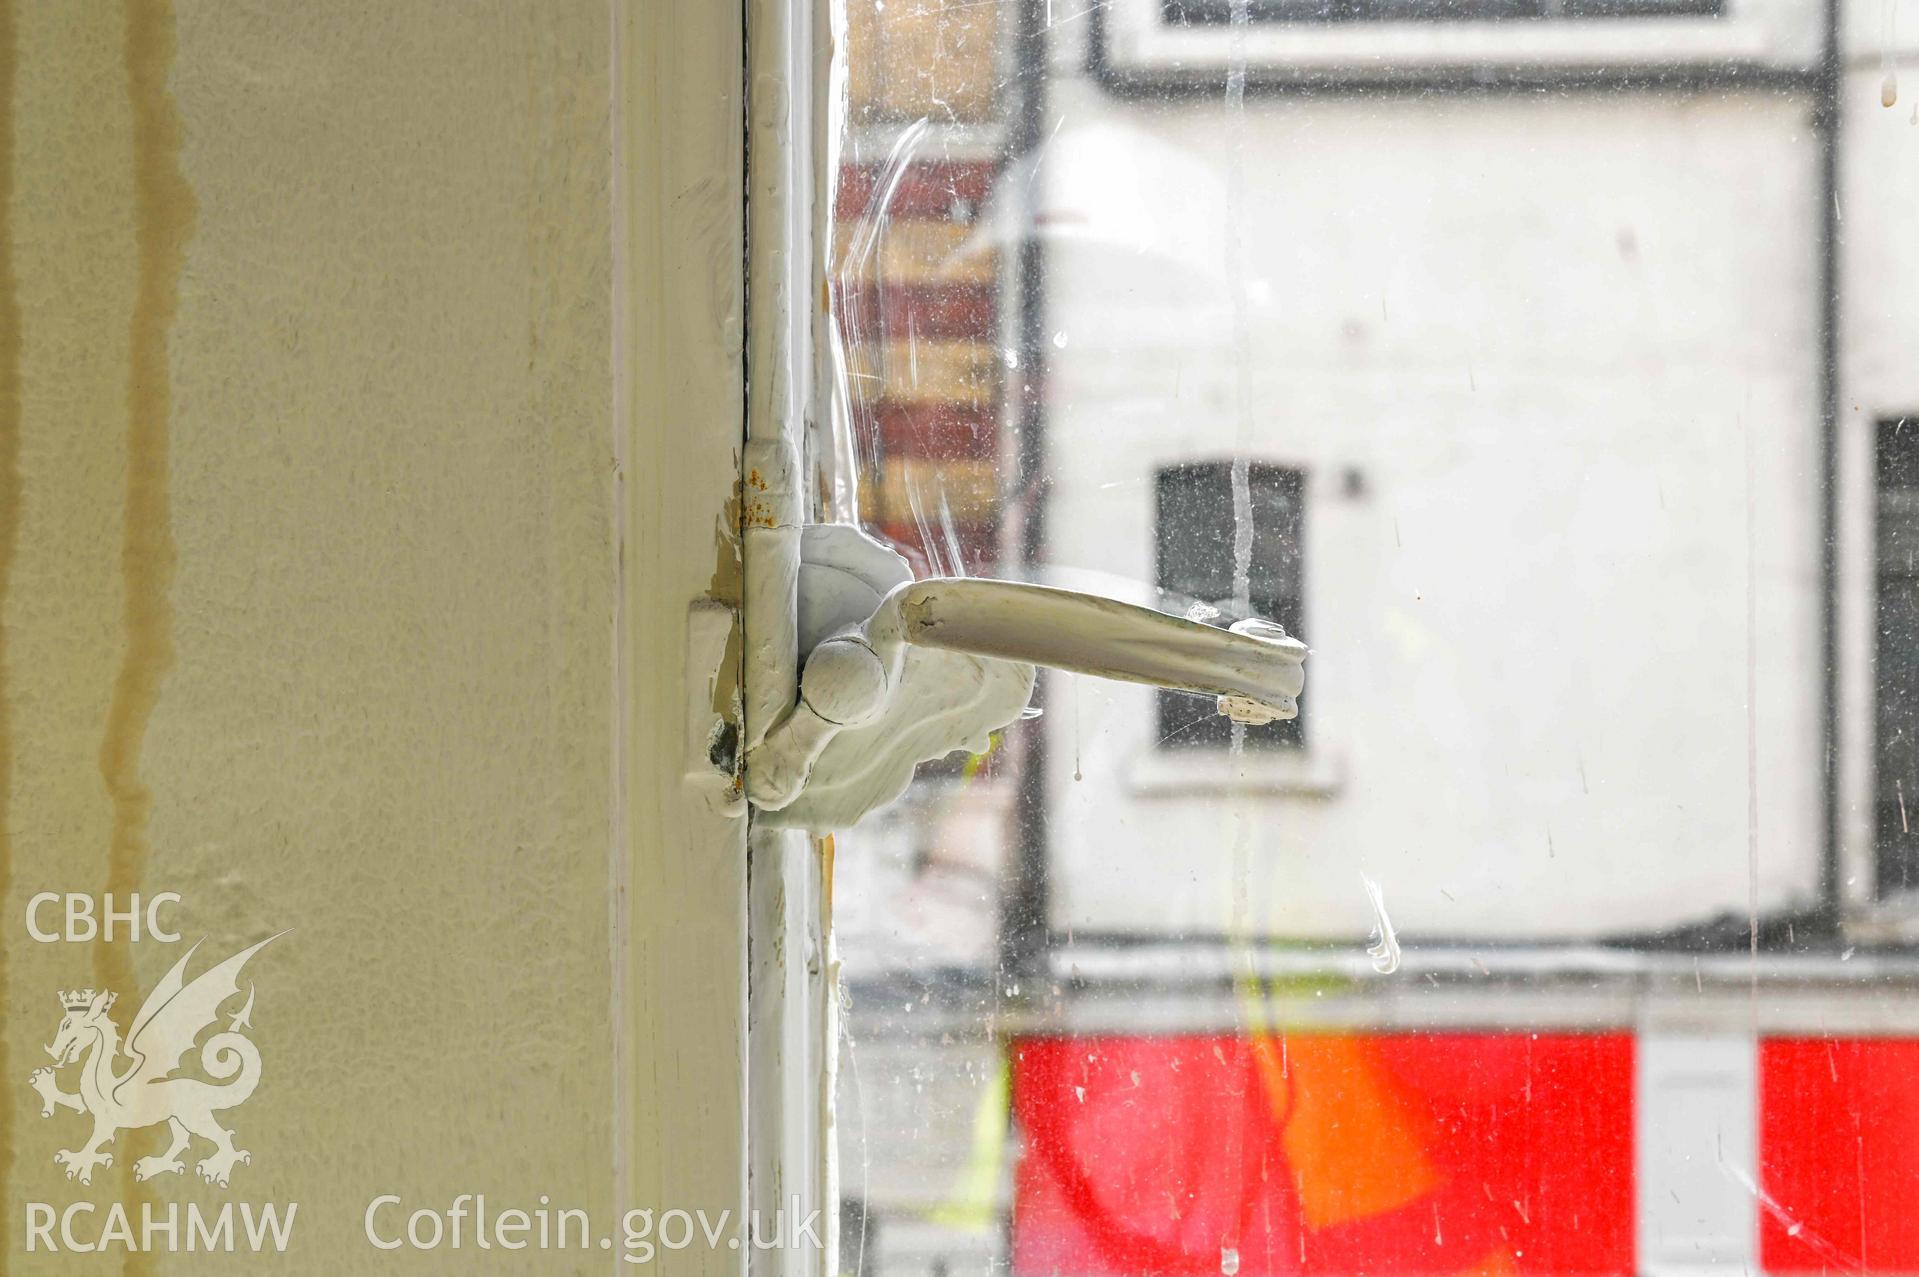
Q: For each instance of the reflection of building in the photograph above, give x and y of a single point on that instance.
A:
(922, 305)
(1558, 347)
(924, 302)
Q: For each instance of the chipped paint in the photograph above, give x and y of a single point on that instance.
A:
(726, 587)
(770, 550)
(827, 853)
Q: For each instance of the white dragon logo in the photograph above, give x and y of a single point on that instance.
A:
(146, 1093)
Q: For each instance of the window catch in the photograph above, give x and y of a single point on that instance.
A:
(896, 672)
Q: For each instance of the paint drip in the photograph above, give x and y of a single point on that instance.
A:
(1889, 84)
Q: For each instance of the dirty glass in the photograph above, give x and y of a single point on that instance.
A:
(1545, 365)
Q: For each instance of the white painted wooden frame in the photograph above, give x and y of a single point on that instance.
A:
(793, 974)
(678, 882)
(722, 1005)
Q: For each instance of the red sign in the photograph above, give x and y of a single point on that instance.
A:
(1325, 1153)
(1839, 1155)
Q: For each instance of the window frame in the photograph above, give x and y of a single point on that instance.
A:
(677, 1002)
(1215, 13)
(790, 125)
(1896, 528)
(1269, 481)
(723, 1012)
(1134, 50)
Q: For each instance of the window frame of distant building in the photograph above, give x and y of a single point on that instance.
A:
(1202, 13)
(1193, 566)
(1896, 653)
(1166, 49)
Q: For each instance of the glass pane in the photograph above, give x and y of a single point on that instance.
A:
(1541, 364)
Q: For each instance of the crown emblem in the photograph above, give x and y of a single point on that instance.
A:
(81, 999)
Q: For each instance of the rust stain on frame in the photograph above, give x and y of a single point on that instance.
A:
(9, 538)
(163, 218)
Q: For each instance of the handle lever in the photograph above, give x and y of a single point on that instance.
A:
(1253, 667)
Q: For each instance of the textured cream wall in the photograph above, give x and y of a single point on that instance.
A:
(336, 278)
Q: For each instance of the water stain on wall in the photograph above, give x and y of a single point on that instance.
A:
(310, 609)
(164, 215)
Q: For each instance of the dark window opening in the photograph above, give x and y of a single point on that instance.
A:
(1220, 12)
(1896, 657)
(1194, 545)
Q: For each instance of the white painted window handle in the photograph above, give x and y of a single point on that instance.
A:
(940, 663)
(1254, 668)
